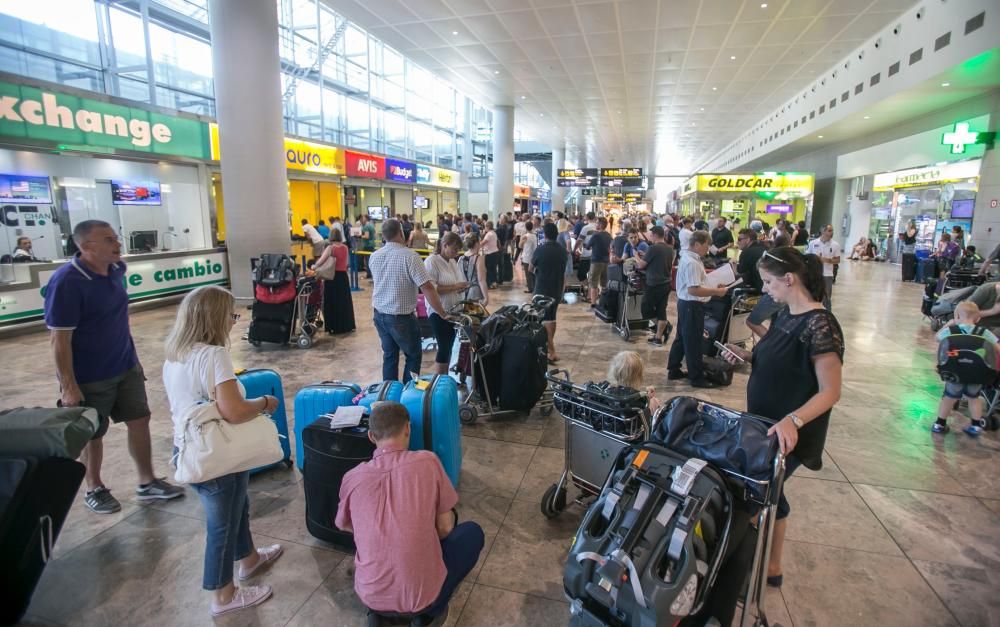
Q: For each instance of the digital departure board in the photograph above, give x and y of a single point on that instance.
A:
(620, 173)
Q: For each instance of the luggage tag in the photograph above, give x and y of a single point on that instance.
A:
(421, 384)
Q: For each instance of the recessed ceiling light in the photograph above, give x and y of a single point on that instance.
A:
(541, 115)
(523, 97)
(496, 71)
(732, 57)
(819, 136)
(763, 6)
(703, 108)
(714, 88)
(868, 117)
(454, 32)
(945, 84)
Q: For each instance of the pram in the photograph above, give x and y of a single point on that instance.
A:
(280, 310)
(508, 359)
(726, 317)
(600, 422)
(621, 303)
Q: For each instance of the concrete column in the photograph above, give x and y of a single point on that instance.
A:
(558, 162)
(251, 140)
(503, 160)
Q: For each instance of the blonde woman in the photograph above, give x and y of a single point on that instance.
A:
(198, 368)
(626, 369)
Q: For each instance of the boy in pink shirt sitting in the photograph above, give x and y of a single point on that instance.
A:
(411, 554)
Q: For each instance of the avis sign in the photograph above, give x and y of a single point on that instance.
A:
(364, 166)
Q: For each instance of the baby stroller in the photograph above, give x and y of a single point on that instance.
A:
(508, 362)
(621, 303)
(281, 302)
(601, 420)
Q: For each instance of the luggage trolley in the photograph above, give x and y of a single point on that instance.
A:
(600, 422)
(467, 316)
(300, 317)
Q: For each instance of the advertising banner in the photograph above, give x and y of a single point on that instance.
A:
(364, 165)
(299, 155)
(948, 172)
(787, 182)
(400, 171)
(430, 175)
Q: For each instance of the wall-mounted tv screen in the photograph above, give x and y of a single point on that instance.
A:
(29, 189)
(780, 209)
(144, 192)
(376, 213)
(962, 208)
(420, 202)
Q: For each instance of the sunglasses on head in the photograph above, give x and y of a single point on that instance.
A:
(775, 257)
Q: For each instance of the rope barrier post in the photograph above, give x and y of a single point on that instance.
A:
(354, 273)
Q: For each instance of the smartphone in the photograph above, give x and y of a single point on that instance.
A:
(725, 349)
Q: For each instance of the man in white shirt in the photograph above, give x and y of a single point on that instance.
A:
(337, 225)
(582, 243)
(314, 238)
(519, 232)
(685, 233)
(528, 245)
(828, 251)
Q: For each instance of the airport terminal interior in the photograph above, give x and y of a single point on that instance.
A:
(813, 184)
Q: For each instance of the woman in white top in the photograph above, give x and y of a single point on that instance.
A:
(198, 368)
(473, 264)
(451, 285)
(491, 250)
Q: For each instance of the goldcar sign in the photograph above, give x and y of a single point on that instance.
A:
(778, 182)
(76, 123)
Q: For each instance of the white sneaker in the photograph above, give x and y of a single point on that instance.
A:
(247, 596)
(267, 555)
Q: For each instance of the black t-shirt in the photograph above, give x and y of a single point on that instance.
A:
(908, 239)
(659, 258)
(801, 238)
(600, 247)
(618, 245)
(747, 265)
(783, 378)
(721, 236)
(549, 261)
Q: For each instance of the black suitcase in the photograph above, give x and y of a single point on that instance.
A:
(928, 269)
(909, 266)
(35, 498)
(329, 455)
(607, 305)
(506, 268)
(718, 371)
(524, 364)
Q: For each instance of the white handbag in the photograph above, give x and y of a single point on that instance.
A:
(212, 447)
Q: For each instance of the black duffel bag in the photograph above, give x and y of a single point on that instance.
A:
(729, 440)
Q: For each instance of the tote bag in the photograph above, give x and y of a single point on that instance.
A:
(212, 447)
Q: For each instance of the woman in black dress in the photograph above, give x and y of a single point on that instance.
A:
(796, 376)
(338, 305)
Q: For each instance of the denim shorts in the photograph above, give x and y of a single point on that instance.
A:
(958, 390)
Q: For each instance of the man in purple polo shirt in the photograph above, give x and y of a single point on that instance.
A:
(411, 555)
(86, 310)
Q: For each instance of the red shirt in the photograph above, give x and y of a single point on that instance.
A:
(392, 502)
(340, 257)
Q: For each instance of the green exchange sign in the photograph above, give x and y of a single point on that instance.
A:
(85, 124)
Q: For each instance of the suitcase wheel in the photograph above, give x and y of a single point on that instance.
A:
(553, 501)
(304, 341)
(467, 414)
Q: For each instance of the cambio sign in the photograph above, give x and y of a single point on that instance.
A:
(82, 123)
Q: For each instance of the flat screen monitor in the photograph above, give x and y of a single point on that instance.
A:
(962, 209)
(27, 189)
(376, 213)
(780, 209)
(420, 202)
(144, 192)
(142, 241)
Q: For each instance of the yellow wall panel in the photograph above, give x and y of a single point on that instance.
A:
(302, 200)
(331, 203)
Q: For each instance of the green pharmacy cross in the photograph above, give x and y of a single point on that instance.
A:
(962, 137)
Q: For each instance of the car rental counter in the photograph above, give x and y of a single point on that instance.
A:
(150, 275)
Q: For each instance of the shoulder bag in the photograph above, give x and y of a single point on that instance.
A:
(212, 447)
(328, 269)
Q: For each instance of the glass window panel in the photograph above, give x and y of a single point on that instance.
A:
(332, 106)
(460, 106)
(357, 77)
(133, 89)
(395, 128)
(444, 104)
(307, 97)
(67, 28)
(356, 46)
(419, 107)
(195, 9)
(421, 138)
(181, 61)
(357, 116)
(393, 94)
(358, 141)
(444, 148)
(46, 69)
(202, 105)
(126, 32)
(392, 65)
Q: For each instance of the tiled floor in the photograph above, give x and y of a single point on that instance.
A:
(899, 528)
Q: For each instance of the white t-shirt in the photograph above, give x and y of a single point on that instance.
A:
(339, 226)
(311, 232)
(194, 380)
(519, 229)
(824, 249)
(685, 237)
(528, 247)
(444, 272)
(585, 233)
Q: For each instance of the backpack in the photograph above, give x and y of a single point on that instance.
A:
(274, 270)
(967, 358)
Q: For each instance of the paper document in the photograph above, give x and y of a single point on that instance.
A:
(349, 416)
(712, 249)
(723, 275)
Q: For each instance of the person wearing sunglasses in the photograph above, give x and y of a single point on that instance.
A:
(797, 368)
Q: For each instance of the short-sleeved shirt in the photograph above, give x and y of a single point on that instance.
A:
(631, 251)
(369, 244)
(966, 328)
(311, 232)
(825, 249)
(194, 380)
(684, 236)
(340, 254)
(584, 235)
(528, 246)
(324, 231)
(549, 261)
(444, 272)
(985, 296)
(490, 243)
(690, 273)
(95, 309)
(721, 237)
(600, 247)
(659, 259)
(392, 503)
(784, 378)
(519, 229)
(618, 245)
(397, 272)
(746, 267)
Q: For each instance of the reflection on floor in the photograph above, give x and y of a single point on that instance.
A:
(899, 528)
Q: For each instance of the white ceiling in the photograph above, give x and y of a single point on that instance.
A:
(562, 64)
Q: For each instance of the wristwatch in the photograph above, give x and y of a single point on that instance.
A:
(796, 420)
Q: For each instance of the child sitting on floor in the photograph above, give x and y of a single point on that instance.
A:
(966, 319)
(626, 370)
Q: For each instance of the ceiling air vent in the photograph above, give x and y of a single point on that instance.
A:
(975, 23)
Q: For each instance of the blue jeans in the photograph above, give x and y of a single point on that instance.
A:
(227, 513)
(398, 333)
(460, 551)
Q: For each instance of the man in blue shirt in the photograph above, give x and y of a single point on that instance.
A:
(86, 310)
(323, 229)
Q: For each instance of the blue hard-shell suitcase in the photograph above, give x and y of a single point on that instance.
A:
(432, 402)
(317, 399)
(258, 382)
(385, 391)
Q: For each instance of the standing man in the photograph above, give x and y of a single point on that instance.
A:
(750, 253)
(600, 257)
(722, 239)
(86, 311)
(314, 238)
(657, 262)
(398, 271)
(828, 251)
(323, 230)
(692, 293)
(337, 225)
(529, 243)
(583, 242)
(367, 241)
(548, 264)
(684, 235)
